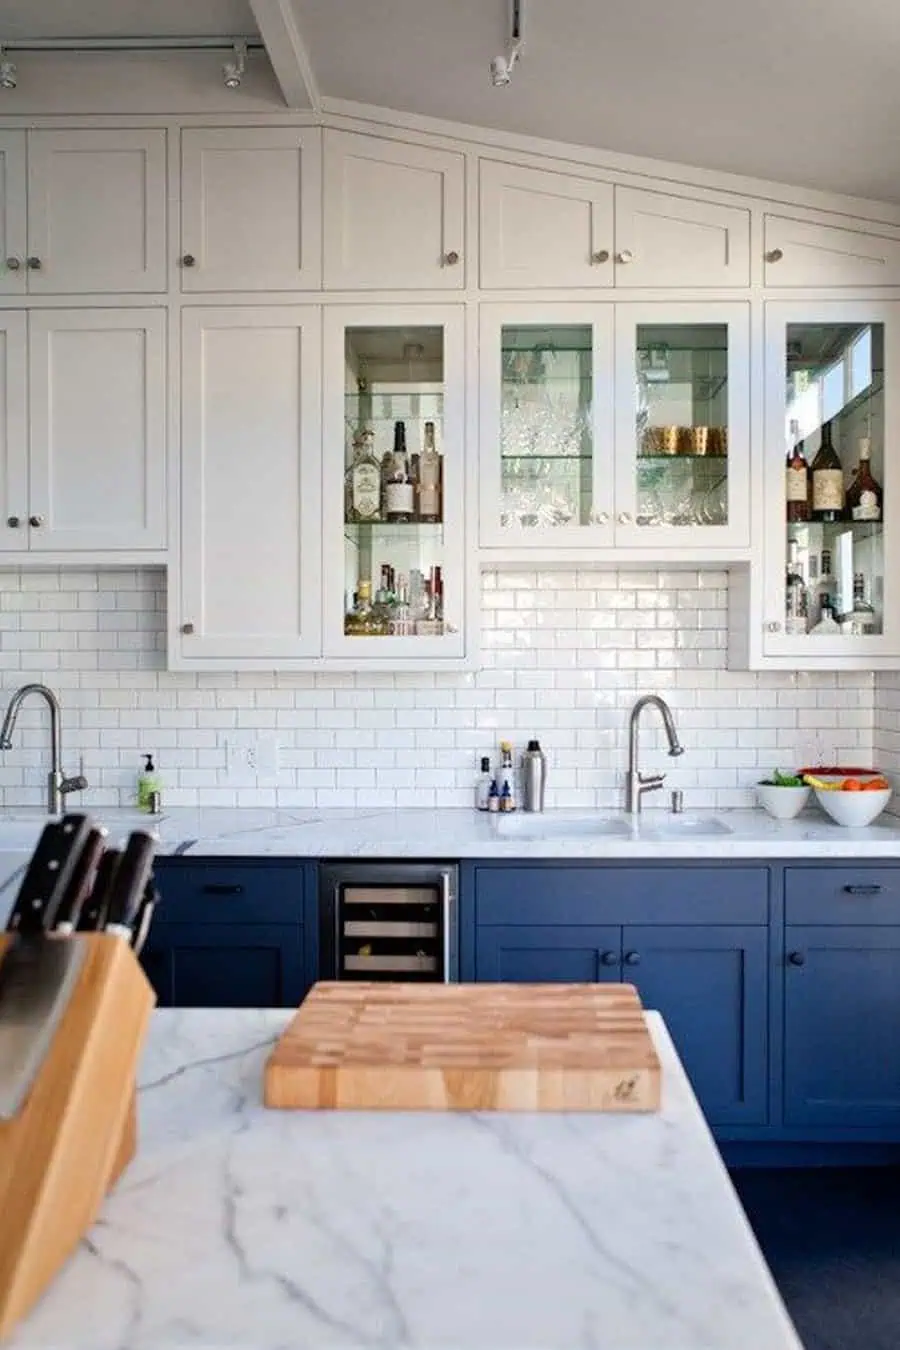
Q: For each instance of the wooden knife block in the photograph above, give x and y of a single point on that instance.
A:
(77, 1129)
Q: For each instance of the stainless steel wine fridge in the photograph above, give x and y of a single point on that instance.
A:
(388, 921)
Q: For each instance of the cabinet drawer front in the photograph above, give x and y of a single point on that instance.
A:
(842, 895)
(573, 895)
(229, 894)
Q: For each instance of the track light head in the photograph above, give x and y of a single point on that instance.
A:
(503, 65)
(8, 75)
(233, 70)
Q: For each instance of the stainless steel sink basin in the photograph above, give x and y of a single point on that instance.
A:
(683, 827)
(560, 825)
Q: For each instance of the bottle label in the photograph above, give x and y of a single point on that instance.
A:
(828, 490)
(366, 491)
(398, 499)
(796, 485)
(867, 507)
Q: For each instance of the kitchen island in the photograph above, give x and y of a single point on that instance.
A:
(238, 1228)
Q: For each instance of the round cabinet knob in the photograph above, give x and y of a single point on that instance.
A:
(36, 522)
(773, 626)
(13, 522)
(13, 264)
(796, 958)
(601, 256)
(189, 260)
(774, 255)
(35, 264)
(626, 256)
(632, 958)
(451, 258)
(624, 518)
(609, 958)
(187, 629)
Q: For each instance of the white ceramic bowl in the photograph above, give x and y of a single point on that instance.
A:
(853, 809)
(782, 802)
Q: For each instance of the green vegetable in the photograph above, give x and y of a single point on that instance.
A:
(780, 779)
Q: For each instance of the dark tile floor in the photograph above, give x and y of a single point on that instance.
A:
(831, 1237)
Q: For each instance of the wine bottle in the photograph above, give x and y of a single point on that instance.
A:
(865, 498)
(429, 478)
(797, 479)
(827, 481)
(399, 501)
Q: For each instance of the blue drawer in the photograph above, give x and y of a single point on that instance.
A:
(551, 894)
(225, 892)
(851, 893)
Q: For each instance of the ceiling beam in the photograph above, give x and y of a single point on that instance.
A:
(277, 24)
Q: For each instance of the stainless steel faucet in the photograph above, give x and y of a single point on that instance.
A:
(57, 784)
(638, 783)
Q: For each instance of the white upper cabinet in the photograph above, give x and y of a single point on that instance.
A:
(394, 215)
(13, 432)
(13, 196)
(250, 209)
(544, 229)
(802, 253)
(248, 593)
(664, 240)
(97, 391)
(96, 211)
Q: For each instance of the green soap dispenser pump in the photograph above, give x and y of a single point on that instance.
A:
(148, 784)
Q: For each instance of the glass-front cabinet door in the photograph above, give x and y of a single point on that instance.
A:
(394, 483)
(682, 425)
(546, 426)
(831, 428)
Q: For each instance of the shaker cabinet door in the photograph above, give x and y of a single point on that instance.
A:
(13, 432)
(13, 196)
(664, 240)
(804, 253)
(250, 209)
(226, 966)
(534, 954)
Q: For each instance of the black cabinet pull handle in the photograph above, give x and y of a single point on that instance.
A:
(609, 958)
(864, 890)
(219, 888)
(632, 958)
(796, 958)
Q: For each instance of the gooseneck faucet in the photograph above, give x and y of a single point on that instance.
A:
(638, 783)
(57, 784)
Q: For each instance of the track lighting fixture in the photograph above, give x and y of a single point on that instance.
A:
(502, 66)
(8, 77)
(233, 70)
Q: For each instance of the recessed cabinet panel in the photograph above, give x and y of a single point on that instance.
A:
(250, 209)
(97, 393)
(250, 567)
(394, 215)
(96, 211)
(664, 240)
(13, 196)
(799, 253)
(544, 229)
(13, 432)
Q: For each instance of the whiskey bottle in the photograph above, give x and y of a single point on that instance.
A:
(827, 481)
(865, 498)
(429, 478)
(362, 482)
(796, 596)
(399, 503)
(860, 622)
(797, 479)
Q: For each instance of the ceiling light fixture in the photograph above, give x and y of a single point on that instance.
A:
(502, 66)
(8, 77)
(233, 71)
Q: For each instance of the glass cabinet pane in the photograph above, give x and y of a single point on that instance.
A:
(681, 424)
(394, 541)
(546, 438)
(834, 480)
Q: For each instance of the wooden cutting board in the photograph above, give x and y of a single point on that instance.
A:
(466, 1047)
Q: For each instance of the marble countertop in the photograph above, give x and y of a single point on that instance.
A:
(237, 1228)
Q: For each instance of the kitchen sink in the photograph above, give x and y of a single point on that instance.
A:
(683, 827)
(559, 825)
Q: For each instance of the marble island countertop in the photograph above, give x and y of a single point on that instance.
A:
(237, 1228)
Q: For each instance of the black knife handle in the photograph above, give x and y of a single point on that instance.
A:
(80, 881)
(93, 911)
(145, 917)
(49, 874)
(130, 882)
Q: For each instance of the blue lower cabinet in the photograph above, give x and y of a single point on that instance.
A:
(711, 985)
(538, 954)
(208, 965)
(842, 1026)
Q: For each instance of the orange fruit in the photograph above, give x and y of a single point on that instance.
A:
(851, 785)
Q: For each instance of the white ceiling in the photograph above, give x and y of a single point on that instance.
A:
(801, 91)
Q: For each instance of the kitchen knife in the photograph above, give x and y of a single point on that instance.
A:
(93, 911)
(79, 885)
(48, 875)
(129, 884)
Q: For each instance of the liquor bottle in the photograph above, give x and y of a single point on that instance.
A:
(797, 479)
(865, 498)
(827, 481)
(401, 624)
(796, 596)
(823, 587)
(860, 622)
(429, 478)
(826, 625)
(362, 621)
(399, 502)
(362, 481)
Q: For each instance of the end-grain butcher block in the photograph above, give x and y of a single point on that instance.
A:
(466, 1047)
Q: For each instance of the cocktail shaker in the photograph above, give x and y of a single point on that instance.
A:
(534, 777)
